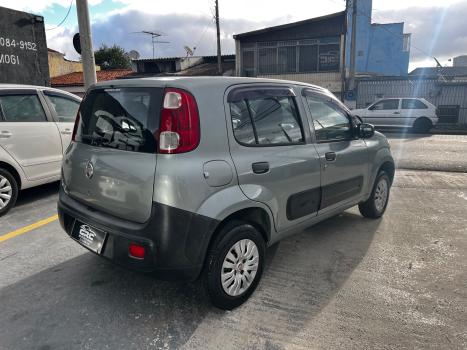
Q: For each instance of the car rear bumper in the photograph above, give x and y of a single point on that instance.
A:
(175, 240)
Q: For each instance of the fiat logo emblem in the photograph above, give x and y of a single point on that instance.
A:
(89, 170)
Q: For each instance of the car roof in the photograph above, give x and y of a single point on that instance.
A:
(36, 87)
(199, 82)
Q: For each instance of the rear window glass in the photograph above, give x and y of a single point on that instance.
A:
(124, 118)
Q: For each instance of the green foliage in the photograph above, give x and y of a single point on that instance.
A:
(113, 57)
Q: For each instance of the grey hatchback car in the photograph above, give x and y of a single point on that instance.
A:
(194, 177)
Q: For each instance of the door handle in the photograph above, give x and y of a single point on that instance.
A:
(397, 112)
(66, 132)
(330, 156)
(5, 134)
(260, 167)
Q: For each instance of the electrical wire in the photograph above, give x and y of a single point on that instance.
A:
(64, 19)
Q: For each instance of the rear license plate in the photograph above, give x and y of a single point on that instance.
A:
(89, 236)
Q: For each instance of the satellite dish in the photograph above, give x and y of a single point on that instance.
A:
(134, 55)
(189, 51)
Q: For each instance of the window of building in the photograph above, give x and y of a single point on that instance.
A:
(406, 43)
(411, 103)
(292, 56)
(385, 105)
(22, 108)
(268, 120)
(330, 122)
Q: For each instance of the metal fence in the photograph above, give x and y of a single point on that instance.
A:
(448, 96)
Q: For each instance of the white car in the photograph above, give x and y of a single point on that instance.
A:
(36, 124)
(416, 113)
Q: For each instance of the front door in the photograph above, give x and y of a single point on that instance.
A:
(343, 158)
(268, 144)
(384, 113)
(27, 134)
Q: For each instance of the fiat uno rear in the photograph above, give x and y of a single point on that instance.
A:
(190, 177)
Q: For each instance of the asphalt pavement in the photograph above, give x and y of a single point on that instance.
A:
(349, 282)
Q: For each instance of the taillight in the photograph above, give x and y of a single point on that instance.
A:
(179, 129)
(75, 127)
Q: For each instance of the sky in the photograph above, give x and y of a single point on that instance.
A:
(438, 27)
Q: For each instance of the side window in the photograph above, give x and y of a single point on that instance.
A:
(268, 120)
(330, 122)
(384, 105)
(65, 108)
(22, 108)
(411, 103)
(241, 123)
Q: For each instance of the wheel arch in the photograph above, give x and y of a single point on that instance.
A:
(11, 169)
(389, 168)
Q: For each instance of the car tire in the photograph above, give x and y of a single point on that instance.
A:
(8, 188)
(375, 206)
(234, 264)
(422, 125)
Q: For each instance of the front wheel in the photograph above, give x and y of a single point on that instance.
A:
(234, 265)
(375, 206)
(8, 191)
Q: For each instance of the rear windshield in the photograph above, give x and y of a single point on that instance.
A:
(124, 118)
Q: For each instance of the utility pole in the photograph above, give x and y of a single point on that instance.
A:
(219, 58)
(353, 45)
(87, 53)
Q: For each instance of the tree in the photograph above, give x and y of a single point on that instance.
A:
(113, 57)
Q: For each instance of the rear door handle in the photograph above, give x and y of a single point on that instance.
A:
(66, 132)
(397, 112)
(330, 156)
(5, 134)
(260, 167)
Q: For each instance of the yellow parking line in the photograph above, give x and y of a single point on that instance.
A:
(28, 228)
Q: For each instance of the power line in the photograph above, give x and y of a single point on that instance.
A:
(64, 19)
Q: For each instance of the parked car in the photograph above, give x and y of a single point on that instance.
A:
(415, 113)
(189, 177)
(36, 123)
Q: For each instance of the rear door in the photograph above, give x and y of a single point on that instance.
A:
(268, 145)
(64, 109)
(111, 165)
(29, 135)
(384, 113)
(343, 158)
(411, 109)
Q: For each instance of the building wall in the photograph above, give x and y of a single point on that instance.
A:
(331, 81)
(434, 91)
(321, 40)
(58, 65)
(380, 47)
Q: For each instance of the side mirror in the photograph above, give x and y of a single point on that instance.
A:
(365, 131)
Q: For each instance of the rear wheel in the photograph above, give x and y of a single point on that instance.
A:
(422, 125)
(375, 206)
(234, 265)
(8, 191)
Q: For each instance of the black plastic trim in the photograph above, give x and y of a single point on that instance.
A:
(175, 240)
(250, 92)
(303, 203)
(340, 191)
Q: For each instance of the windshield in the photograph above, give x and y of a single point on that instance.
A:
(124, 118)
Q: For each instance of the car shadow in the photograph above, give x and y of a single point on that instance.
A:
(37, 193)
(86, 302)
(401, 134)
